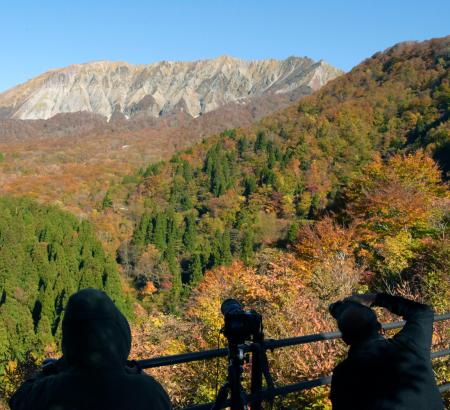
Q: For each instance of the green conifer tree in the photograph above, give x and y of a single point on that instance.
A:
(249, 185)
(247, 246)
(261, 141)
(195, 270)
(187, 171)
(107, 200)
(226, 256)
(160, 231)
(190, 233)
(216, 249)
(241, 146)
(291, 236)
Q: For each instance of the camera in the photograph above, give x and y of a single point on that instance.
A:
(240, 325)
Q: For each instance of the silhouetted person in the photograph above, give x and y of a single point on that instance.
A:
(92, 374)
(379, 373)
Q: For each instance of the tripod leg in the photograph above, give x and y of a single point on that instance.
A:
(221, 396)
(256, 380)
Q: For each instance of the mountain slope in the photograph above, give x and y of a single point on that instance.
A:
(159, 89)
(246, 188)
(395, 100)
(261, 196)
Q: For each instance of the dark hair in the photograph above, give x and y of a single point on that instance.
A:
(356, 321)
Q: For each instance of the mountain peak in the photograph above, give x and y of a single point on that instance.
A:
(159, 88)
(226, 57)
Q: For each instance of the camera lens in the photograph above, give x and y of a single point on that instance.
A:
(229, 306)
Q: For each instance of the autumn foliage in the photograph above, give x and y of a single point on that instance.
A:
(345, 191)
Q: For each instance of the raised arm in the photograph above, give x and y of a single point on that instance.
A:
(418, 330)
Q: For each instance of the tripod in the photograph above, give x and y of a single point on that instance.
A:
(233, 386)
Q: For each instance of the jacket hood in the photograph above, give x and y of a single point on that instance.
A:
(356, 321)
(94, 332)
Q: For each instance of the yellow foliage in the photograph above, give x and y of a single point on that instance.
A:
(397, 251)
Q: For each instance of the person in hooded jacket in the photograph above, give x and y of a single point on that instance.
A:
(92, 373)
(380, 373)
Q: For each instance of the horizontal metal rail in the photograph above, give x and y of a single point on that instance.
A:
(440, 353)
(290, 388)
(277, 391)
(271, 344)
(444, 387)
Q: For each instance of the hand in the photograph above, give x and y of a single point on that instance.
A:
(366, 299)
(53, 366)
(132, 367)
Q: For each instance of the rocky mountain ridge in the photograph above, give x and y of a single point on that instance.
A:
(160, 89)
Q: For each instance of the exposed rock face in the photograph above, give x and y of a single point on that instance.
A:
(195, 88)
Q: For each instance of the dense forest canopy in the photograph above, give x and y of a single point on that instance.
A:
(45, 256)
(395, 101)
(247, 189)
(345, 191)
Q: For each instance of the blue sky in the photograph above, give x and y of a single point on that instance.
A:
(40, 35)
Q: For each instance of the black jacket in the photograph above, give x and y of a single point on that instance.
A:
(390, 374)
(92, 375)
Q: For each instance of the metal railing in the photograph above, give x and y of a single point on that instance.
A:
(271, 344)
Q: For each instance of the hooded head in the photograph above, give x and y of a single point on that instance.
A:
(355, 321)
(94, 332)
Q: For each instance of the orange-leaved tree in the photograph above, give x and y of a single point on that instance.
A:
(394, 206)
(325, 251)
(275, 287)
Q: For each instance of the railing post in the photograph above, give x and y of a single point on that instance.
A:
(256, 379)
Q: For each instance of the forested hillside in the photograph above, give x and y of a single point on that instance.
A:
(389, 233)
(248, 189)
(45, 256)
(345, 191)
